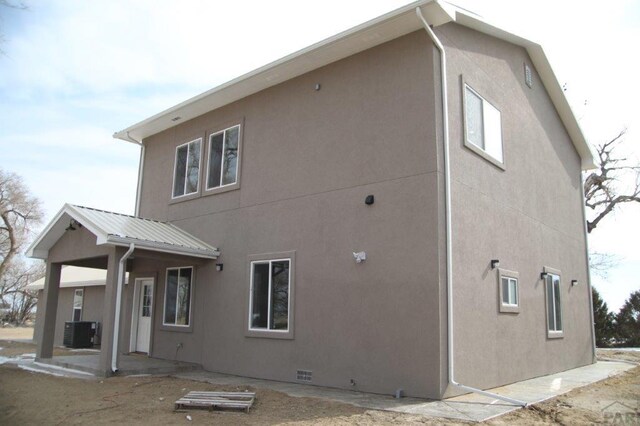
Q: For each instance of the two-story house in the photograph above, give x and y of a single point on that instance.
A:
(396, 207)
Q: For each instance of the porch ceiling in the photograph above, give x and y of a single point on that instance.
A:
(121, 230)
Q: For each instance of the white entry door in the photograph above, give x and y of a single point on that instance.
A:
(145, 307)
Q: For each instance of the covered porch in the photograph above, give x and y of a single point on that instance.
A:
(81, 236)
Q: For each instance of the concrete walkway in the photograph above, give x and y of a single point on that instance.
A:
(470, 407)
(128, 364)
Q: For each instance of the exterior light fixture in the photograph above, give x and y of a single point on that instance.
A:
(543, 275)
(574, 283)
(72, 225)
(495, 263)
(369, 200)
(219, 266)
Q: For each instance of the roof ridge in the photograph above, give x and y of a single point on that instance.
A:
(120, 214)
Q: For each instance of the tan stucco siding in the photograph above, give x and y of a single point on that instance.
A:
(528, 216)
(309, 159)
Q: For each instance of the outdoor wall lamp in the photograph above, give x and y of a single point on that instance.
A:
(495, 263)
(219, 266)
(72, 225)
(574, 283)
(543, 275)
(369, 200)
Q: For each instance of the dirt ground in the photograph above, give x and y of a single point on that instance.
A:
(30, 398)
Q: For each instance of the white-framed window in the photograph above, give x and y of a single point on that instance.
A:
(177, 297)
(554, 303)
(78, 299)
(509, 292)
(222, 169)
(186, 170)
(483, 126)
(269, 299)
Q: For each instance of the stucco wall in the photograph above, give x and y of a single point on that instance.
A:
(92, 307)
(309, 159)
(528, 216)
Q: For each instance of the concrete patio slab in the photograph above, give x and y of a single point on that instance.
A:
(469, 407)
(128, 364)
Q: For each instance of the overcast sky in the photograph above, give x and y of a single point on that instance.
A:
(74, 72)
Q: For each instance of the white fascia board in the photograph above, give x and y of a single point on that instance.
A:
(362, 37)
(164, 248)
(548, 77)
(39, 249)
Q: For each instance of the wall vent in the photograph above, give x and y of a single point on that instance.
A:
(528, 78)
(304, 375)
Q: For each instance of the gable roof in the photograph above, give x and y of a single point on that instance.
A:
(121, 230)
(362, 37)
(76, 276)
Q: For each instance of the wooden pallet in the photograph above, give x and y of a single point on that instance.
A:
(211, 400)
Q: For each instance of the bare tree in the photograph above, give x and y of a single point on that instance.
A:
(17, 299)
(20, 212)
(601, 189)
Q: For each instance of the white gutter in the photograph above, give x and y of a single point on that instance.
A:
(116, 321)
(447, 200)
(129, 138)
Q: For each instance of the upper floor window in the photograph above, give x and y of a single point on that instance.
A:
(483, 128)
(186, 172)
(223, 158)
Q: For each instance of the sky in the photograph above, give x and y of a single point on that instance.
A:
(73, 72)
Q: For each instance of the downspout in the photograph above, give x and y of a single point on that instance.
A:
(129, 138)
(447, 200)
(116, 322)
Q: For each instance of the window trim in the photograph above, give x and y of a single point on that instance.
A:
(189, 325)
(266, 333)
(175, 167)
(507, 307)
(229, 186)
(73, 303)
(553, 334)
(470, 145)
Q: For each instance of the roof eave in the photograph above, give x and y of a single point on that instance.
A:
(164, 248)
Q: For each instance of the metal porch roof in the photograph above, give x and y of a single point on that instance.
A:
(122, 230)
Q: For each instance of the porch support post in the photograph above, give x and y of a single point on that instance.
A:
(47, 324)
(108, 315)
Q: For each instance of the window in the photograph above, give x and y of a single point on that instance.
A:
(269, 295)
(186, 172)
(508, 291)
(483, 128)
(223, 158)
(78, 297)
(177, 296)
(554, 303)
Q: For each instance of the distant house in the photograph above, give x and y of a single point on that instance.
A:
(81, 297)
(368, 213)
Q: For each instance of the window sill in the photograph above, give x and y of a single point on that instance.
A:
(177, 328)
(555, 334)
(480, 152)
(182, 198)
(221, 189)
(506, 309)
(266, 334)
